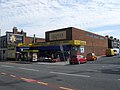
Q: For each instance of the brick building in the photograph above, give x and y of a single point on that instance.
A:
(9, 42)
(94, 43)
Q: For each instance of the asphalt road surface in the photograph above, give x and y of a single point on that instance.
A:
(103, 74)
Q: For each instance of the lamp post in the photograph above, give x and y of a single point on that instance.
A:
(0, 43)
(92, 42)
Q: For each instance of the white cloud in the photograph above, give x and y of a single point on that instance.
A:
(104, 32)
(38, 16)
(112, 32)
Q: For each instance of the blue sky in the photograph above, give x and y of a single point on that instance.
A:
(37, 16)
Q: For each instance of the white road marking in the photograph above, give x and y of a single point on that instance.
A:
(30, 69)
(119, 79)
(12, 75)
(63, 88)
(77, 75)
(3, 73)
(115, 70)
(6, 66)
(42, 83)
(92, 70)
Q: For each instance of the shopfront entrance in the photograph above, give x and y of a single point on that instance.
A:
(27, 55)
(52, 51)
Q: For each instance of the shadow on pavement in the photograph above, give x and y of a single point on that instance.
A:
(111, 71)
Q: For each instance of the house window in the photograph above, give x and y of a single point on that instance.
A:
(96, 36)
(101, 38)
(87, 34)
(91, 35)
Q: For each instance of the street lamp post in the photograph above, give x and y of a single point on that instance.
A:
(0, 43)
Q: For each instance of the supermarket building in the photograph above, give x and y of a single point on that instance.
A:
(71, 41)
(94, 43)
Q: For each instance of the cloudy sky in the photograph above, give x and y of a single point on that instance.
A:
(37, 16)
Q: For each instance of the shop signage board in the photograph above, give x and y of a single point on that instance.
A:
(82, 49)
(60, 35)
(14, 38)
(55, 43)
(66, 42)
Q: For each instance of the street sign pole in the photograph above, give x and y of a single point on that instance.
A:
(62, 50)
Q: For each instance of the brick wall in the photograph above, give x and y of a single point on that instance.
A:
(29, 40)
(95, 43)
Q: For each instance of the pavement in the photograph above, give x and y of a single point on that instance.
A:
(61, 63)
(54, 63)
(44, 63)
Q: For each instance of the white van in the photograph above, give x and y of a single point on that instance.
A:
(117, 51)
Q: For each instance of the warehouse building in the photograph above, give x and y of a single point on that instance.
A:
(94, 43)
(62, 43)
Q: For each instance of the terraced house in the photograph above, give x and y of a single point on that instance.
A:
(10, 40)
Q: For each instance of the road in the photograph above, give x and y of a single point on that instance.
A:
(103, 74)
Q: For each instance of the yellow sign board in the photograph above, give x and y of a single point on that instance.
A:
(21, 44)
(55, 43)
(66, 42)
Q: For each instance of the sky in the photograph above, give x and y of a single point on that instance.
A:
(38, 16)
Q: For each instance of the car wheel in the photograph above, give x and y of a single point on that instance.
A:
(71, 63)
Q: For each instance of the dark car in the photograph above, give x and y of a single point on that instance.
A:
(77, 59)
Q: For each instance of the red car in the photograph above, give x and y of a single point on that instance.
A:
(77, 59)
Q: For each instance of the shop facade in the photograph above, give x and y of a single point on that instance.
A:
(65, 42)
(10, 41)
(61, 50)
(94, 43)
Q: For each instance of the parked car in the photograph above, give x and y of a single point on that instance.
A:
(46, 59)
(91, 57)
(77, 59)
(116, 51)
(56, 60)
(110, 52)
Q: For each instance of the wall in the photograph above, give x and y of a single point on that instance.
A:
(10, 54)
(29, 40)
(3, 42)
(95, 43)
(59, 35)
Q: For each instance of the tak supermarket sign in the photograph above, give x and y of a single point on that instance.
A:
(14, 38)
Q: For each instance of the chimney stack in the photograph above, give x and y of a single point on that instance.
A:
(15, 30)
